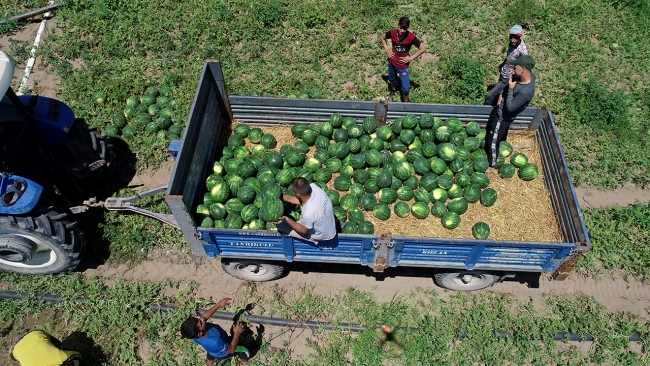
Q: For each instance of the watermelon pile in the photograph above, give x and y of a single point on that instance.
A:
(150, 113)
(414, 166)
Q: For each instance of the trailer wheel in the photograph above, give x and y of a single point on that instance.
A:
(252, 270)
(44, 244)
(465, 280)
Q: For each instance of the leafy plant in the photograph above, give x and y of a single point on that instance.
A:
(268, 12)
(463, 77)
(592, 104)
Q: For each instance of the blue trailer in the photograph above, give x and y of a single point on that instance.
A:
(460, 264)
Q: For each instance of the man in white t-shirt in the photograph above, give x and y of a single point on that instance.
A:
(317, 222)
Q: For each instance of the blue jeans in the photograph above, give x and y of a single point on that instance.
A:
(402, 73)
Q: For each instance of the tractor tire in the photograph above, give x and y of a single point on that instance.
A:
(44, 244)
(85, 154)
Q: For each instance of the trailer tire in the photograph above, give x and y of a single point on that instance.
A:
(252, 270)
(41, 244)
(465, 280)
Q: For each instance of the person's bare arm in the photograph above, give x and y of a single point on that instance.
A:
(389, 51)
(236, 332)
(208, 313)
(290, 199)
(209, 362)
(408, 59)
(298, 227)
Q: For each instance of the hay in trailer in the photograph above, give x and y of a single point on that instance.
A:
(522, 212)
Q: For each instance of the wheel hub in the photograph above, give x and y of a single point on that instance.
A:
(15, 248)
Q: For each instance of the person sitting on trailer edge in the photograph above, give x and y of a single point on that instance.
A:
(317, 221)
(514, 99)
(214, 340)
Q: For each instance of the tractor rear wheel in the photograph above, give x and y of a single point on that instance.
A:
(85, 154)
(44, 244)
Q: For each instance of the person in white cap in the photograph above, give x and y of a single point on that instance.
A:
(516, 49)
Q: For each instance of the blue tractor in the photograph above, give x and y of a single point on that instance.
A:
(51, 163)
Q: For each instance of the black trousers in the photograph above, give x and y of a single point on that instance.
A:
(496, 131)
(493, 95)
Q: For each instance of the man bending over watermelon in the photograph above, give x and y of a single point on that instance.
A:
(317, 222)
(398, 56)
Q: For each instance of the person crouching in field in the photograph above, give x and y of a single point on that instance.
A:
(398, 56)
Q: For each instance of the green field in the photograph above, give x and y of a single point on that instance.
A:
(592, 72)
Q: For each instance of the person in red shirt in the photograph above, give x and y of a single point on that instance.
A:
(398, 56)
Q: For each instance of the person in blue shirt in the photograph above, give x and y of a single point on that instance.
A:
(214, 340)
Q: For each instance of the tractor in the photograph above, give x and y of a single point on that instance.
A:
(51, 164)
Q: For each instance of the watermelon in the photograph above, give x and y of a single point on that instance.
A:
(438, 165)
(445, 181)
(450, 220)
(421, 166)
(371, 186)
(369, 125)
(426, 121)
(354, 132)
(457, 165)
(334, 196)
(338, 150)
(518, 160)
(429, 181)
(301, 147)
(240, 152)
(358, 161)
(384, 180)
(462, 179)
(507, 171)
(309, 137)
(255, 135)
(233, 221)
(350, 227)
(528, 172)
(421, 195)
(111, 130)
(349, 201)
(322, 142)
(128, 132)
(245, 170)
(202, 210)
(342, 183)
(409, 121)
(312, 164)
(447, 152)
(99, 97)
(165, 112)
(153, 109)
(207, 222)
(407, 137)
(348, 122)
(132, 101)
(405, 193)
(454, 124)
(455, 191)
(481, 230)
(384, 133)
(360, 176)
(373, 158)
(368, 201)
(336, 120)
(376, 144)
(271, 210)
(366, 227)
(217, 211)
(439, 195)
(505, 149)
(481, 179)
(443, 134)
(396, 146)
(471, 143)
(481, 165)
(356, 215)
(472, 128)
(420, 210)
(457, 205)
(234, 205)
(402, 209)
(326, 129)
(220, 192)
(269, 142)
(382, 211)
(488, 197)
(346, 170)
(142, 108)
(340, 135)
(478, 154)
(253, 183)
(438, 209)
(357, 189)
(256, 224)
(249, 213)
(152, 91)
(333, 164)
(323, 175)
(387, 195)
(246, 194)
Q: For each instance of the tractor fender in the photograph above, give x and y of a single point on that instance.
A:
(18, 195)
(54, 118)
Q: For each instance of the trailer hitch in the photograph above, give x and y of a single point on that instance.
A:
(126, 204)
(382, 246)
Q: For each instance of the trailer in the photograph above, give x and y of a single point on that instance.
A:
(262, 255)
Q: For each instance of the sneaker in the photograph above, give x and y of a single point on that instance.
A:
(247, 355)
